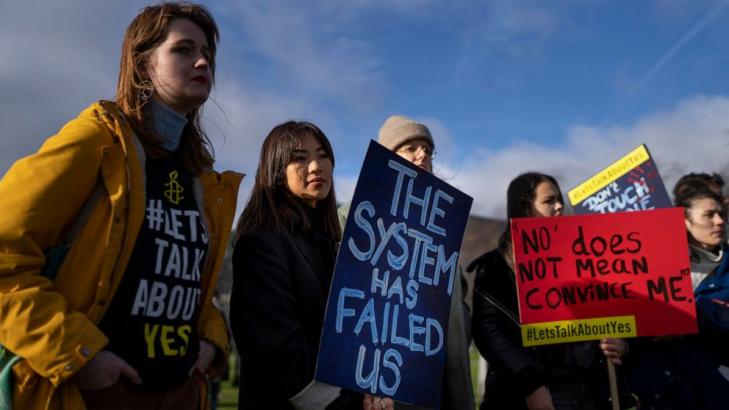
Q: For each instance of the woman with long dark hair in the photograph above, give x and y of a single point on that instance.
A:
(112, 235)
(565, 376)
(283, 265)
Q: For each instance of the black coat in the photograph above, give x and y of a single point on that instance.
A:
(514, 371)
(574, 372)
(280, 289)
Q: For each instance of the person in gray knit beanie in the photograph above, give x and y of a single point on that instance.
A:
(399, 129)
(408, 139)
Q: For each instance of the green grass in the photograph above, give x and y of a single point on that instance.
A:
(474, 356)
(228, 394)
(228, 397)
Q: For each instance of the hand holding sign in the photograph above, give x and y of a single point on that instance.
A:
(613, 349)
(370, 402)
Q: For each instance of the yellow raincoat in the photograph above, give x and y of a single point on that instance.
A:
(52, 325)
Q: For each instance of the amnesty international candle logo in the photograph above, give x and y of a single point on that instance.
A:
(174, 190)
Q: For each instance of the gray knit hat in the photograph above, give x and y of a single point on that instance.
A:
(399, 129)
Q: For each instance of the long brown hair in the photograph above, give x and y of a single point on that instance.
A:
(271, 203)
(147, 31)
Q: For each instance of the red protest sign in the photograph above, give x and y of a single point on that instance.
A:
(591, 276)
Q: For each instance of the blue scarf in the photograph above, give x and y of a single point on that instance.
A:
(167, 124)
(7, 360)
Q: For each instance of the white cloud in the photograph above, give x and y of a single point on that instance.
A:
(53, 67)
(344, 187)
(693, 137)
(237, 121)
(445, 146)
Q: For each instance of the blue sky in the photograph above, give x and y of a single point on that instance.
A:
(506, 86)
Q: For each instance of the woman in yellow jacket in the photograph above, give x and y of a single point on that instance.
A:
(127, 320)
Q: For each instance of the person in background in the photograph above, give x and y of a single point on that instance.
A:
(711, 182)
(704, 357)
(562, 376)
(132, 179)
(413, 141)
(283, 264)
(705, 221)
(684, 372)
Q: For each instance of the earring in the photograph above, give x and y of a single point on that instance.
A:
(145, 90)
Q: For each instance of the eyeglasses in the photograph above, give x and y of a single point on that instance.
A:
(412, 150)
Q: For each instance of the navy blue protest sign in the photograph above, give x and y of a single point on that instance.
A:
(631, 183)
(387, 316)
